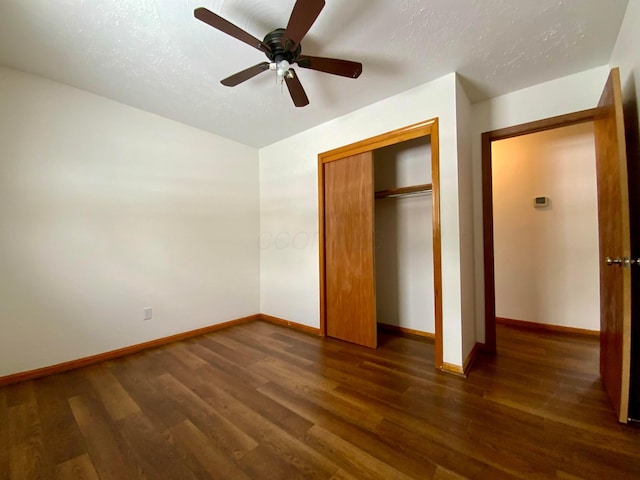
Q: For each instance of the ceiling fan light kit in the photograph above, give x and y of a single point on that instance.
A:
(283, 49)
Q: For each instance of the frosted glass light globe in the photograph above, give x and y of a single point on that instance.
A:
(282, 67)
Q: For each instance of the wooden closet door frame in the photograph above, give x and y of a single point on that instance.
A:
(428, 128)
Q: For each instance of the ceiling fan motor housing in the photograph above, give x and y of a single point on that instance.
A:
(278, 52)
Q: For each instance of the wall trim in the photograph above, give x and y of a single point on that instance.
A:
(546, 327)
(121, 352)
(130, 350)
(286, 323)
(463, 371)
(405, 331)
(468, 363)
(452, 369)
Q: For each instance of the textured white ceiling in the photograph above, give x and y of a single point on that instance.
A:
(153, 54)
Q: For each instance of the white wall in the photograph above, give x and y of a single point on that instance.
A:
(546, 259)
(467, 234)
(104, 210)
(573, 93)
(625, 55)
(404, 238)
(289, 204)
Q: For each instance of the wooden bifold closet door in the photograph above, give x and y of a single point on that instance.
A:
(349, 249)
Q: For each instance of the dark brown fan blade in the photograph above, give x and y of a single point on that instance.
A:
(303, 15)
(229, 28)
(298, 95)
(344, 68)
(245, 75)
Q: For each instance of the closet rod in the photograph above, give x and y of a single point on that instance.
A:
(412, 190)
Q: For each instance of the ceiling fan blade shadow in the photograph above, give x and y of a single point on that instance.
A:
(303, 15)
(298, 94)
(344, 68)
(245, 75)
(225, 26)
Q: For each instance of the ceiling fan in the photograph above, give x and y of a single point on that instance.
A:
(282, 48)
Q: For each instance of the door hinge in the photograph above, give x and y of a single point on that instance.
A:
(622, 262)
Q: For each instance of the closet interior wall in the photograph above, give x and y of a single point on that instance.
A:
(404, 238)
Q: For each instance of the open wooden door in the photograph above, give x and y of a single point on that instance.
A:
(615, 246)
(349, 249)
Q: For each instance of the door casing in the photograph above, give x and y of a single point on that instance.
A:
(583, 116)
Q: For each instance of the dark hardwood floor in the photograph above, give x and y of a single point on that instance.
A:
(259, 401)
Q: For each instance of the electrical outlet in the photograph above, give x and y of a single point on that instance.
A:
(147, 313)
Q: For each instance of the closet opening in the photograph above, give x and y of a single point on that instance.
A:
(404, 238)
(380, 247)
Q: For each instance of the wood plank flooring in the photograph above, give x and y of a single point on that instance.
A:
(260, 401)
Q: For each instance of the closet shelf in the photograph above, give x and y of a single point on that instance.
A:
(397, 192)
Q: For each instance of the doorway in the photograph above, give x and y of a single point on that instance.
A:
(545, 210)
(488, 209)
(615, 255)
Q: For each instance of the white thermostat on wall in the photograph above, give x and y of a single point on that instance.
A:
(541, 202)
